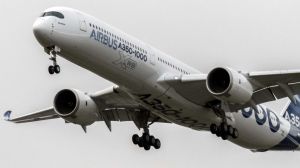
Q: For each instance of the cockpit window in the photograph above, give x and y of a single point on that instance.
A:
(53, 13)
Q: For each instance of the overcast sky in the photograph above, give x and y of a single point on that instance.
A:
(247, 35)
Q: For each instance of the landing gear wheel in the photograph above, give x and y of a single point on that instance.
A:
(157, 144)
(146, 141)
(53, 51)
(51, 70)
(235, 133)
(152, 140)
(135, 139)
(218, 133)
(141, 143)
(146, 138)
(224, 131)
(224, 135)
(57, 69)
(230, 130)
(147, 147)
(224, 128)
(213, 128)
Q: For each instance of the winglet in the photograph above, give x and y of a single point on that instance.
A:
(7, 115)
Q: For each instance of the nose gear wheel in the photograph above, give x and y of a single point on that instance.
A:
(55, 68)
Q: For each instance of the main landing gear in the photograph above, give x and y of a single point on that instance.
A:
(146, 140)
(55, 68)
(224, 130)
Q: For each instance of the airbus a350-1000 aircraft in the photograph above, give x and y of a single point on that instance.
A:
(153, 87)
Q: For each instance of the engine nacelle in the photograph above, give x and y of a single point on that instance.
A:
(229, 85)
(76, 107)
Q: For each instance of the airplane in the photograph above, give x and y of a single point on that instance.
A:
(153, 87)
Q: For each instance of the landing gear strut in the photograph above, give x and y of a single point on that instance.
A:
(55, 68)
(146, 140)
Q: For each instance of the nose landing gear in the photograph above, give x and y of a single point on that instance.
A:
(55, 68)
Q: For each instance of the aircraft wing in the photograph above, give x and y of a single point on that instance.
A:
(46, 114)
(268, 86)
(118, 106)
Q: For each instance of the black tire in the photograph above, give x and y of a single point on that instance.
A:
(152, 140)
(213, 128)
(57, 69)
(224, 136)
(157, 144)
(218, 133)
(235, 133)
(51, 70)
(230, 130)
(141, 143)
(135, 139)
(147, 147)
(224, 128)
(146, 138)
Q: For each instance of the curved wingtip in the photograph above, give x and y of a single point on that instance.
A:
(7, 115)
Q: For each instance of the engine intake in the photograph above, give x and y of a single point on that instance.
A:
(229, 85)
(76, 107)
(65, 102)
(218, 81)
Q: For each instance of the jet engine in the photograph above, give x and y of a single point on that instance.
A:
(229, 85)
(76, 107)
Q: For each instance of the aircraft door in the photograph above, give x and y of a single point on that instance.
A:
(151, 55)
(82, 23)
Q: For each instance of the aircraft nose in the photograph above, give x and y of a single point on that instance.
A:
(41, 31)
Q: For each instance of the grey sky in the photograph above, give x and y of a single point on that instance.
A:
(246, 35)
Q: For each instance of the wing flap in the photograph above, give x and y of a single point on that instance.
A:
(275, 92)
(269, 78)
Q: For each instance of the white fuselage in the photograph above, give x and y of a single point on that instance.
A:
(137, 68)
